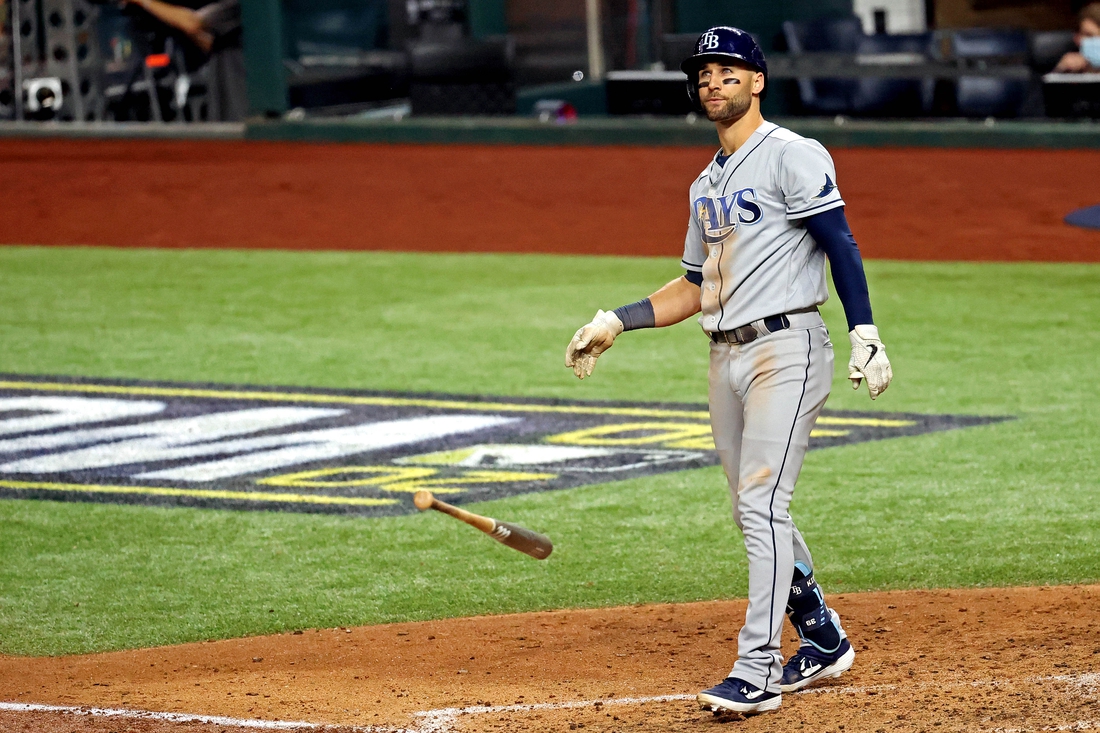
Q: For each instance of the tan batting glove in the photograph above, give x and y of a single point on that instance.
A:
(869, 360)
(590, 341)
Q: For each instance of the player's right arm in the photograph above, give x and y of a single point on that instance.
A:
(679, 300)
(675, 302)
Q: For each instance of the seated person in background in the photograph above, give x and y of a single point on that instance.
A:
(215, 29)
(1088, 41)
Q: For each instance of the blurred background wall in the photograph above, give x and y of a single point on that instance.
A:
(503, 57)
(1030, 14)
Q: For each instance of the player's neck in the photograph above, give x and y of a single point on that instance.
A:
(735, 133)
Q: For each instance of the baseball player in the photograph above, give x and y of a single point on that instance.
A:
(765, 214)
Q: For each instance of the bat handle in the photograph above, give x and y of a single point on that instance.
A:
(425, 498)
(519, 538)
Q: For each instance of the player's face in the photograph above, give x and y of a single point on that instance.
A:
(726, 90)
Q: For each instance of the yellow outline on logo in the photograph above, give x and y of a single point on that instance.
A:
(406, 479)
(199, 493)
(412, 402)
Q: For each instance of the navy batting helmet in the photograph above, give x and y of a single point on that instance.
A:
(721, 44)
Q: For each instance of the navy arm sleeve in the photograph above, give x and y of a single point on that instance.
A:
(636, 315)
(695, 278)
(831, 232)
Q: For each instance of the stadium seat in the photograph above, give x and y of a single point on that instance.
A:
(838, 35)
(990, 43)
(333, 27)
(894, 97)
(337, 56)
(983, 96)
(1048, 47)
(675, 47)
(464, 76)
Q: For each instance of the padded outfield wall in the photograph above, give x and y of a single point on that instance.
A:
(915, 191)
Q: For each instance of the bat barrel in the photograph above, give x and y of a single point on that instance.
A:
(526, 541)
(519, 538)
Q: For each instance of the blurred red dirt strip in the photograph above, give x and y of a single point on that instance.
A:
(992, 659)
(913, 204)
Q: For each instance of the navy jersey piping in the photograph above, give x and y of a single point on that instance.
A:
(722, 251)
(779, 477)
(750, 274)
(730, 178)
(796, 214)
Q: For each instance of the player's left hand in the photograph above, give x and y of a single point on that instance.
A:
(590, 341)
(869, 360)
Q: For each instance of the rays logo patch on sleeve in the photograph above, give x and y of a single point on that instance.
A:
(342, 451)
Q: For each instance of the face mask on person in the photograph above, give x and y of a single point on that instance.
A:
(1090, 49)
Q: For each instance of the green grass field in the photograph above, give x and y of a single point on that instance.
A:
(1006, 504)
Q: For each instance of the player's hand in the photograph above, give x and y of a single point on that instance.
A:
(590, 341)
(1073, 62)
(869, 360)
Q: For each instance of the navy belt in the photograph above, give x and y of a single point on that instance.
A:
(749, 333)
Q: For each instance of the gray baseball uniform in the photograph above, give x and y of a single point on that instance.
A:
(757, 260)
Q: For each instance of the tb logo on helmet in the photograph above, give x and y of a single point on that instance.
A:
(718, 43)
(708, 41)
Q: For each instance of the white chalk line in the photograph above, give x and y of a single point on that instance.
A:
(21, 707)
(1079, 725)
(441, 720)
(1088, 683)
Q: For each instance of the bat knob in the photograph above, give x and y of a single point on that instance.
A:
(423, 499)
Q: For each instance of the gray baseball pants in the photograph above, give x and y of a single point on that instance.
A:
(764, 399)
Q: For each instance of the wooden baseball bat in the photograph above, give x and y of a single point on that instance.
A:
(519, 538)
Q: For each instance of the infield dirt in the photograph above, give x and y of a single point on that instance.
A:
(958, 660)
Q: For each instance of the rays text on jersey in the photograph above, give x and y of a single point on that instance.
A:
(721, 215)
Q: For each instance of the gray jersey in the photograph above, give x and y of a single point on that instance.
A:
(744, 234)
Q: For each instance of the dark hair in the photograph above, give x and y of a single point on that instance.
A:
(1089, 12)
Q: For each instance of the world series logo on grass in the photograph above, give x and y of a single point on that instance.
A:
(348, 451)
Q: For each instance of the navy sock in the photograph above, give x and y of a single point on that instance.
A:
(807, 611)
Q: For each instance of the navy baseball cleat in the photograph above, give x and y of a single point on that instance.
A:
(738, 696)
(809, 665)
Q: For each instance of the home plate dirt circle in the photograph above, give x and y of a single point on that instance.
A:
(1005, 660)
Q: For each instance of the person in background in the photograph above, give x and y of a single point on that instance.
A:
(215, 29)
(1087, 38)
